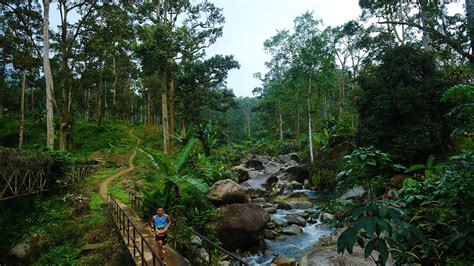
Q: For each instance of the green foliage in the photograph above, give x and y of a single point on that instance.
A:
(400, 108)
(430, 169)
(441, 208)
(117, 191)
(366, 166)
(463, 112)
(173, 180)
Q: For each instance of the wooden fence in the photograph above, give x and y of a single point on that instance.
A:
(21, 181)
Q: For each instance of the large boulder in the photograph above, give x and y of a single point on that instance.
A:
(227, 192)
(283, 261)
(240, 225)
(297, 173)
(260, 185)
(340, 150)
(27, 251)
(255, 164)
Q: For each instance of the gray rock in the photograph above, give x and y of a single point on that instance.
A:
(270, 234)
(293, 230)
(355, 193)
(227, 192)
(327, 217)
(27, 251)
(295, 219)
(259, 201)
(243, 173)
(284, 261)
(196, 240)
(202, 255)
(240, 225)
(300, 204)
(297, 173)
(261, 185)
(284, 206)
(270, 210)
(255, 164)
(296, 185)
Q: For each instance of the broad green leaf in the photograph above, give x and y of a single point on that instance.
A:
(363, 157)
(360, 242)
(382, 246)
(369, 248)
(430, 161)
(415, 167)
(356, 213)
(417, 233)
(183, 154)
(371, 162)
(383, 212)
(395, 214)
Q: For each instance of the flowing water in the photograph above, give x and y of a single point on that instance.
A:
(295, 246)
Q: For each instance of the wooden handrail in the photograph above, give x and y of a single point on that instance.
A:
(136, 202)
(125, 221)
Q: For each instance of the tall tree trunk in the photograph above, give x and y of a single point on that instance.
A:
(341, 92)
(280, 121)
(87, 100)
(32, 99)
(172, 117)
(470, 25)
(148, 108)
(310, 132)
(297, 122)
(424, 22)
(114, 90)
(48, 78)
(164, 106)
(22, 109)
(2, 81)
(98, 104)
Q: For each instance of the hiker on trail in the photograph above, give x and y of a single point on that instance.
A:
(160, 224)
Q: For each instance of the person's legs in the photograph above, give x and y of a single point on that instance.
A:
(160, 248)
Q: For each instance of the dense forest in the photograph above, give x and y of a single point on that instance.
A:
(375, 117)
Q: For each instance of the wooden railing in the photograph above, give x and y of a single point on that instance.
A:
(124, 224)
(22, 181)
(211, 247)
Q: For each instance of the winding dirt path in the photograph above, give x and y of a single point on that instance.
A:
(104, 186)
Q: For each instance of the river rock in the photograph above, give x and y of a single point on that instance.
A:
(270, 234)
(270, 210)
(259, 201)
(202, 256)
(284, 206)
(295, 219)
(271, 168)
(340, 150)
(295, 196)
(293, 230)
(227, 192)
(260, 185)
(300, 204)
(273, 224)
(267, 205)
(328, 256)
(196, 240)
(255, 164)
(240, 225)
(297, 173)
(296, 185)
(27, 251)
(290, 158)
(356, 193)
(243, 173)
(327, 217)
(284, 261)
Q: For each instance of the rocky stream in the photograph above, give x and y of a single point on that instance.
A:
(271, 216)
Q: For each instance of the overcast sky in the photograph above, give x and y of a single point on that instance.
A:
(250, 22)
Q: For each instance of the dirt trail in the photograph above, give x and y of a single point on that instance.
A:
(104, 186)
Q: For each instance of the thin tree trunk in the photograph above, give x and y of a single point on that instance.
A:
(310, 133)
(164, 106)
(172, 117)
(470, 25)
(341, 92)
(280, 120)
(114, 89)
(32, 99)
(98, 104)
(148, 108)
(22, 110)
(297, 121)
(48, 78)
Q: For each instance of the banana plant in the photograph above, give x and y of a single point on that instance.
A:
(172, 172)
(430, 169)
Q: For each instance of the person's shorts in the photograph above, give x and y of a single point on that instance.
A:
(163, 238)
